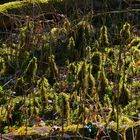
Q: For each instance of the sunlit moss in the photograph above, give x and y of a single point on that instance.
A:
(135, 42)
(95, 46)
(58, 33)
(38, 1)
(3, 114)
(63, 103)
(71, 44)
(111, 54)
(19, 4)
(132, 108)
(7, 51)
(72, 129)
(82, 36)
(82, 72)
(53, 67)
(2, 65)
(67, 24)
(91, 85)
(72, 68)
(43, 89)
(103, 40)
(136, 54)
(86, 28)
(25, 130)
(11, 5)
(91, 62)
(88, 53)
(96, 62)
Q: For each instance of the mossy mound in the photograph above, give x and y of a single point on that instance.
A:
(13, 11)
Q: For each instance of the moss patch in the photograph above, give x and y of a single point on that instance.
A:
(12, 5)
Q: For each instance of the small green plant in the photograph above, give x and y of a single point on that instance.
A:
(124, 97)
(125, 32)
(31, 70)
(63, 103)
(43, 88)
(53, 68)
(25, 130)
(2, 65)
(96, 62)
(104, 42)
(20, 86)
(91, 85)
(103, 84)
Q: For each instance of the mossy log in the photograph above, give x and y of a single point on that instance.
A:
(13, 12)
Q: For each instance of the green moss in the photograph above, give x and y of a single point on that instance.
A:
(5, 51)
(96, 62)
(19, 4)
(63, 103)
(72, 129)
(53, 68)
(3, 114)
(124, 95)
(25, 130)
(82, 36)
(103, 84)
(19, 87)
(72, 68)
(82, 72)
(2, 65)
(31, 70)
(125, 32)
(91, 85)
(104, 42)
(36, 1)
(43, 89)
(74, 41)
(111, 54)
(11, 5)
